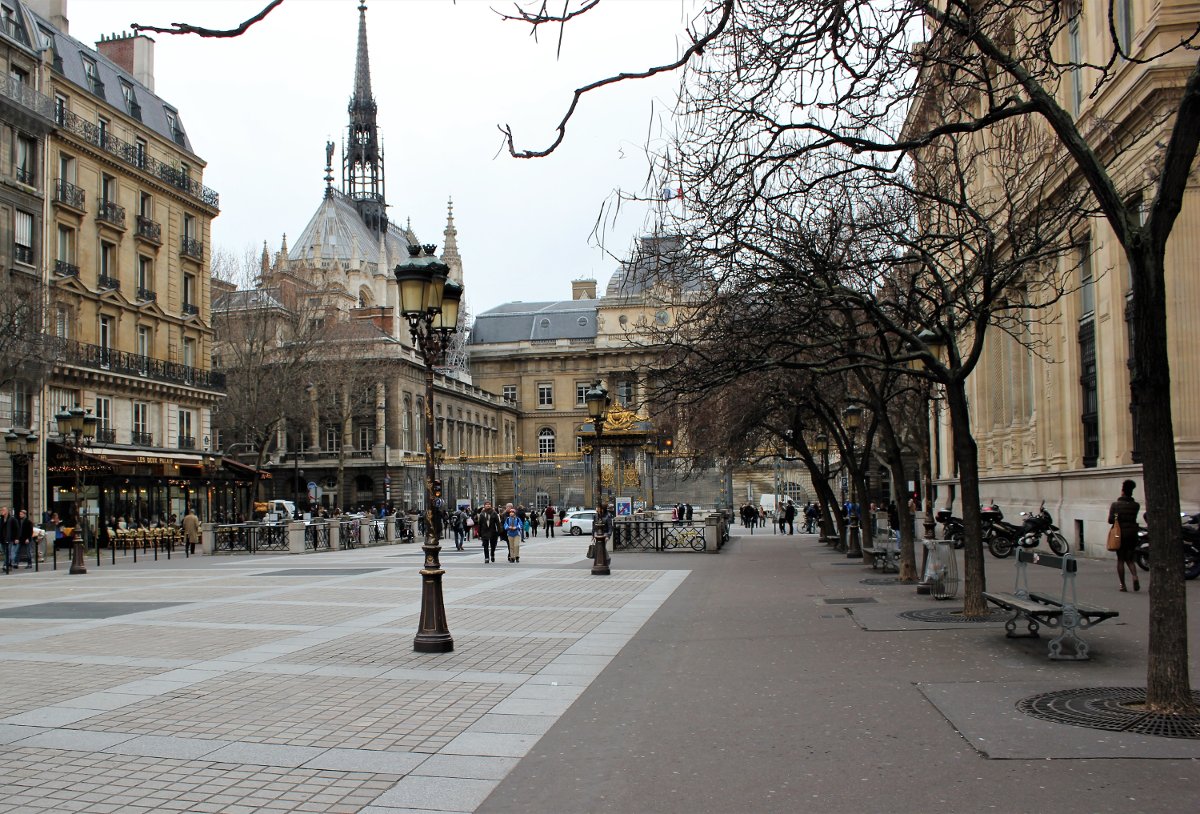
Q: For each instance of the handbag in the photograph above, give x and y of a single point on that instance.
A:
(591, 553)
(1114, 537)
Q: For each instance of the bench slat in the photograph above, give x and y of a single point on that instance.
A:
(1082, 608)
(1023, 604)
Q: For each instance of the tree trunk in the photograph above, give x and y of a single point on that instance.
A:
(1168, 687)
(967, 456)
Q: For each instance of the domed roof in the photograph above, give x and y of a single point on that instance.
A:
(337, 232)
(658, 261)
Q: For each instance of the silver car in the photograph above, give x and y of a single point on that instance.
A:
(579, 522)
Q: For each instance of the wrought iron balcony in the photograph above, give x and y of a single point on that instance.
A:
(190, 310)
(110, 212)
(67, 193)
(21, 418)
(25, 176)
(149, 230)
(187, 442)
(141, 439)
(97, 358)
(106, 436)
(64, 269)
(147, 295)
(23, 254)
(131, 155)
(190, 247)
(21, 93)
(109, 283)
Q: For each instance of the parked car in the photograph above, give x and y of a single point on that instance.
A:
(579, 522)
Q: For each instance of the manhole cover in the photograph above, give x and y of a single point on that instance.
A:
(939, 616)
(1113, 709)
(851, 600)
(82, 610)
(880, 580)
(319, 572)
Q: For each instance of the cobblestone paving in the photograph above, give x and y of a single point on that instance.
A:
(41, 780)
(151, 641)
(299, 693)
(31, 684)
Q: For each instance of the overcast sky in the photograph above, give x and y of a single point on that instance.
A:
(259, 109)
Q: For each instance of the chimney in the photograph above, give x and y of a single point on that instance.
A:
(55, 11)
(133, 52)
(583, 289)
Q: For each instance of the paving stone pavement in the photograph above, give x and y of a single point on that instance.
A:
(289, 684)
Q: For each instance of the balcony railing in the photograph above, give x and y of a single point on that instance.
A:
(21, 418)
(64, 269)
(147, 295)
(115, 361)
(134, 157)
(149, 230)
(23, 254)
(110, 212)
(190, 247)
(187, 442)
(20, 92)
(106, 436)
(190, 310)
(25, 176)
(141, 439)
(109, 283)
(67, 193)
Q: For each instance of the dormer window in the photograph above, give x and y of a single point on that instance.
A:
(12, 25)
(93, 76)
(173, 125)
(131, 103)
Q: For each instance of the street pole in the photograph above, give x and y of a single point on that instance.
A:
(852, 417)
(430, 303)
(597, 405)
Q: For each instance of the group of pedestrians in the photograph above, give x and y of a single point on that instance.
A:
(514, 523)
(17, 537)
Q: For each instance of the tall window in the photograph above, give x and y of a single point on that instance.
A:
(1123, 11)
(141, 423)
(66, 168)
(144, 339)
(625, 393)
(108, 189)
(62, 322)
(510, 392)
(189, 353)
(189, 227)
(93, 78)
(581, 389)
(106, 333)
(187, 440)
(103, 413)
(102, 128)
(545, 394)
(406, 439)
(366, 437)
(108, 262)
(66, 244)
(1090, 399)
(61, 106)
(25, 165)
(189, 290)
(146, 205)
(145, 280)
(22, 236)
(546, 441)
(1075, 54)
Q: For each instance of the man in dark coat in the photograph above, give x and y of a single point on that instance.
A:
(489, 530)
(789, 516)
(10, 537)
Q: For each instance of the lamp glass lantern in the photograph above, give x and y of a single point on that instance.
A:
(597, 401)
(821, 444)
(412, 278)
(447, 318)
(90, 422)
(852, 416)
(64, 420)
(31, 443)
(13, 443)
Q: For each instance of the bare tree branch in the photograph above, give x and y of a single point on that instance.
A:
(188, 28)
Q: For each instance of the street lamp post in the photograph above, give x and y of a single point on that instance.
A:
(821, 447)
(429, 301)
(597, 406)
(852, 419)
(22, 445)
(77, 427)
(464, 462)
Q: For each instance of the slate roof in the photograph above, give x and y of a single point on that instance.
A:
(340, 233)
(656, 262)
(245, 299)
(524, 321)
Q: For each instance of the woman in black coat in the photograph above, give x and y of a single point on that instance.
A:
(1124, 513)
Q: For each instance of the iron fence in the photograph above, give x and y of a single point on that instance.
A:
(657, 535)
(251, 538)
(316, 536)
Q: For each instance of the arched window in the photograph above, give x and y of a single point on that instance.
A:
(546, 441)
(406, 440)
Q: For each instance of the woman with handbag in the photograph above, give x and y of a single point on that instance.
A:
(1122, 537)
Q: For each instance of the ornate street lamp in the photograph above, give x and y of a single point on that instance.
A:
(852, 420)
(821, 447)
(597, 406)
(77, 427)
(430, 303)
(22, 446)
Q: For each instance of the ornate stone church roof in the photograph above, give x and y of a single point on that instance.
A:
(337, 232)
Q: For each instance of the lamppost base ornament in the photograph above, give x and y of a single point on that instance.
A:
(77, 559)
(600, 560)
(855, 542)
(433, 630)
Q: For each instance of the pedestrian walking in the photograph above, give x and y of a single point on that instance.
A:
(10, 537)
(535, 517)
(789, 516)
(1123, 513)
(523, 516)
(513, 529)
(191, 530)
(489, 530)
(25, 538)
(549, 521)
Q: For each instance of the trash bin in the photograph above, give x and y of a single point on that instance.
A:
(941, 569)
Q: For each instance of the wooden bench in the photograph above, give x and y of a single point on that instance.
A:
(885, 553)
(1063, 611)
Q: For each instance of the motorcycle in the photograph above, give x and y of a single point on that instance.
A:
(1190, 532)
(952, 527)
(1001, 537)
(1041, 524)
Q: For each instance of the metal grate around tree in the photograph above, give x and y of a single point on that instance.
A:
(939, 616)
(1112, 709)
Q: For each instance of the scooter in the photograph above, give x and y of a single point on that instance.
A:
(1001, 537)
(1039, 524)
(1190, 531)
(952, 527)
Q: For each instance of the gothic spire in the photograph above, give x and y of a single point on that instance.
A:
(362, 170)
(450, 255)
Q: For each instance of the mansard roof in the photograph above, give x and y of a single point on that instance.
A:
(526, 321)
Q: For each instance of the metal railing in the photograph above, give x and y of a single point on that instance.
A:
(190, 247)
(348, 532)
(23, 94)
(65, 269)
(111, 212)
(657, 535)
(149, 229)
(187, 442)
(189, 309)
(106, 282)
(23, 254)
(316, 536)
(25, 175)
(141, 439)
(96, 357)
(378, 531)
(250, 538)
(146, 295)
(130, 154)
(67, 193)
(106, 435)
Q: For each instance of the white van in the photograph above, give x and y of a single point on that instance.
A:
(275, 510)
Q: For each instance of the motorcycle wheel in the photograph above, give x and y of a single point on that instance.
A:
(1142, 558)
(1191, 562)
(1000, 546)
(1058, 543)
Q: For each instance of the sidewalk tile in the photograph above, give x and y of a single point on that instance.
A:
(436, 794)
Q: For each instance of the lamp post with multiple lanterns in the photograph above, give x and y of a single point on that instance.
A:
(21, 445)
(429, 300)
(852, 420)
(821, 447)
(77, 427)
(597, 401)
